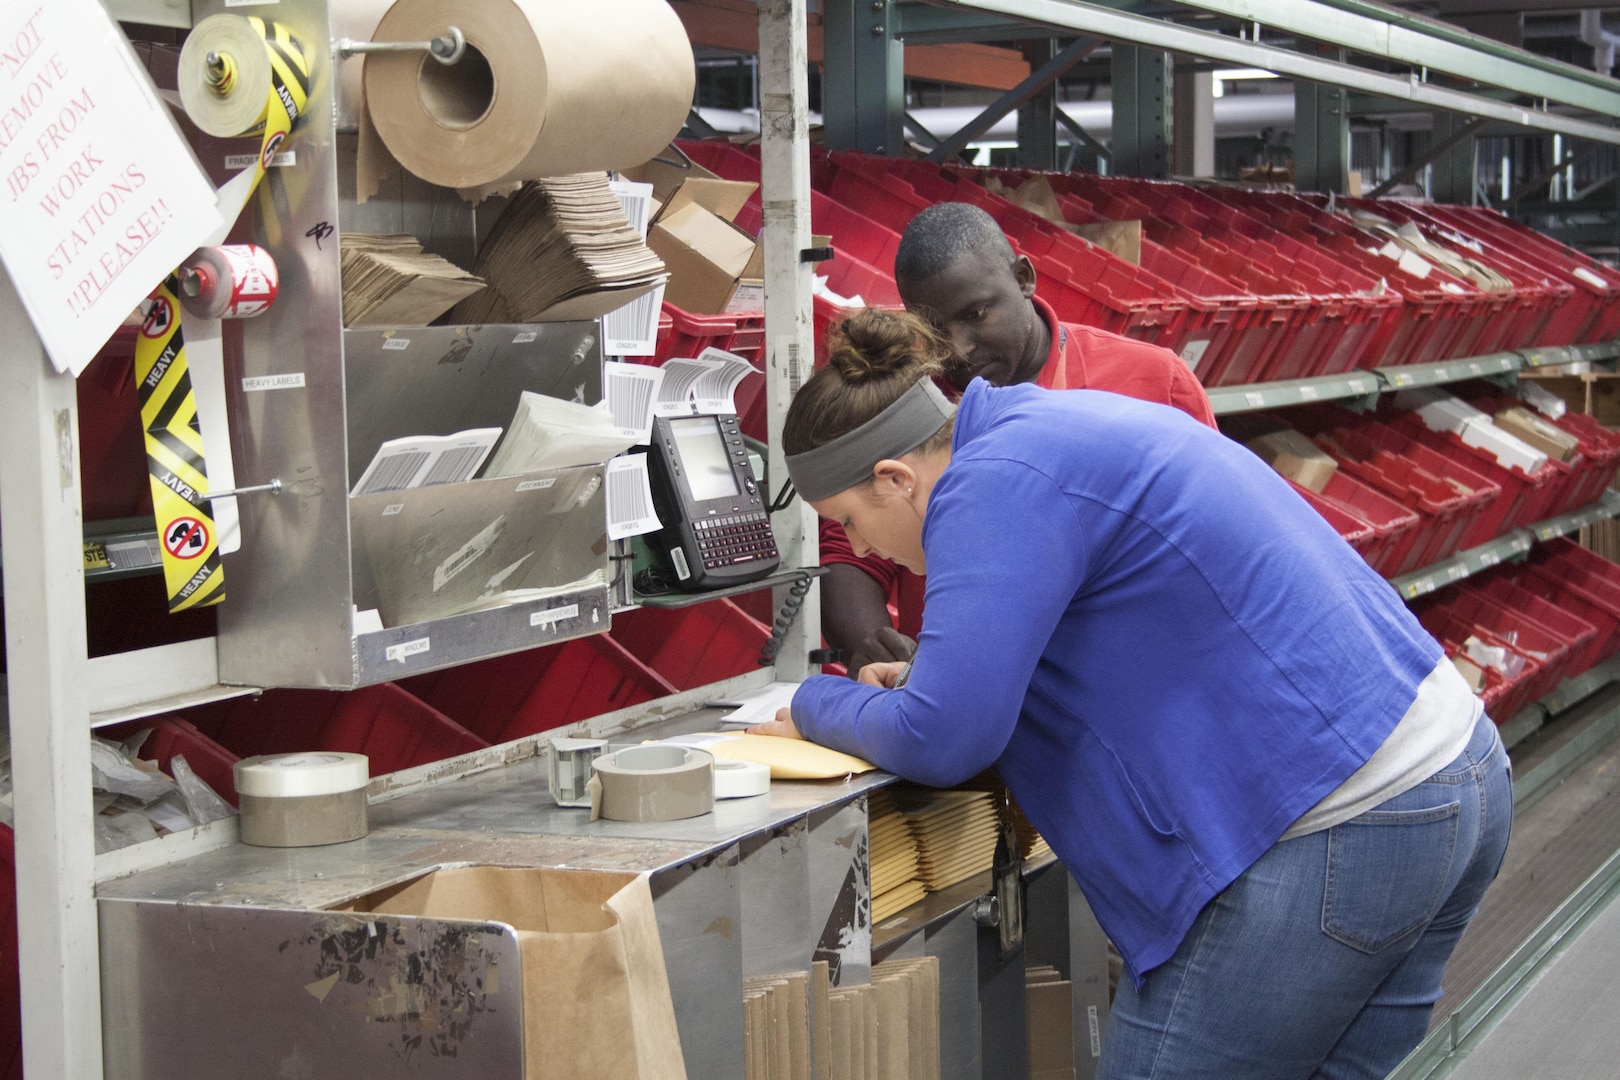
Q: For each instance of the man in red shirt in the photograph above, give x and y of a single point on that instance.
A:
(955, 267)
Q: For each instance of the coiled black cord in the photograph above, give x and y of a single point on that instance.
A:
(786, 618)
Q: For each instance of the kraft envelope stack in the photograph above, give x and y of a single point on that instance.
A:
(893, 851)
(1032, 846)
(956, 833)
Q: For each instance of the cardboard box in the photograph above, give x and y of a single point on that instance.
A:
(706, 255)
(1542, 434)
(1296, 457)
(674, 188)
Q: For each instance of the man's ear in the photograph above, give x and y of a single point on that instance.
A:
(1024, 271)
(891, 476)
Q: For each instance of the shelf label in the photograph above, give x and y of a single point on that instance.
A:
(407, 649)
(1359, 387)
(397, 344)
(1419, 587)
(1307, 393)
(552, 616)
(291, 381)
(525, 338)
(1456, 572)
(1488, 559)
(1477, 369)
(1255, 401)
(1442, 374)
(1401, 378)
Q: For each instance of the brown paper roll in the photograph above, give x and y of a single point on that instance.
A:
(547, 87)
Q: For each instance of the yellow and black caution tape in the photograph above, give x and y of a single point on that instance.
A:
(177, 469)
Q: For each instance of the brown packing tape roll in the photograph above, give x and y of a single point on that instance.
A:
(655, 782)
(546, 88)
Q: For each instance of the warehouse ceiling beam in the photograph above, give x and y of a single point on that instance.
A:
(1038, 81)
(1403, 38)
(1123, 26)
(1464, 134)
(923, 24)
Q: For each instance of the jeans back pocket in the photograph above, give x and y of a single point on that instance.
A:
(1387, 874)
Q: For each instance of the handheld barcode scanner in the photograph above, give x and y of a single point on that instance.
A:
(717, 531)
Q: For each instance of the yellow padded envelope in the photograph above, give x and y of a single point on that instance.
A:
(789, 759)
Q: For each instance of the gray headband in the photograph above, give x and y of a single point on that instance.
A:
(915, 416)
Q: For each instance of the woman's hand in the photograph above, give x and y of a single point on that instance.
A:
(883, 676)
(782, 727)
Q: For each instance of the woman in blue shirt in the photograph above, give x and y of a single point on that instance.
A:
(1280, 799)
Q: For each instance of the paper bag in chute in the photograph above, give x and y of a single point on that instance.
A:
(596, 1001)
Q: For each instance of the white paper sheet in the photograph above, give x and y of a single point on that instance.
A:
(716, 390)
(629, 498)
(425, 460)
(757, 706)
(631, 391)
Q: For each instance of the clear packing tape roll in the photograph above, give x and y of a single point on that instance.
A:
(546, 88)
(655, 782)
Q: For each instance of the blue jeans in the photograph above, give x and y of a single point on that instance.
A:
(1324, 958)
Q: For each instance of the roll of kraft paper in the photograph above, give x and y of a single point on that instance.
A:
(546, 88)
(236, 281)
(656, 782)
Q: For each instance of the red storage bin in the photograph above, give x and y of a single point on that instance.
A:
(1394, 528)
(740, 333)
(1554, 653)
(173, 735)
(391, 727)
(1601, 448)
(690, 334)
(1579, 481)
(1524, 494)
(519, 694)
(1357, 533)
(693, 646)
(1444, 511)
(1590, 597)
(1585, 640)
(1504, 697)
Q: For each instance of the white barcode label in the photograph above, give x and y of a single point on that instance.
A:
(629, 498)
(397, 344)
(1307, 393)
(393, 509)
(425, 460)
(528, 337)
(537, 485)
(392, 472)
(630, 391)
(635, 199)
(632, 330)
(795, 367)
(454, 466)
(134, 554)
(680, 376)
(1255, 401)
(716, 389)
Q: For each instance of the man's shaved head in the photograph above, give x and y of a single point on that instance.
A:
(943, 234)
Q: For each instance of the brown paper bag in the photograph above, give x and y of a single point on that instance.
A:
(596, 999)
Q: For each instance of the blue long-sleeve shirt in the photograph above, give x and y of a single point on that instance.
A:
(1165, 652)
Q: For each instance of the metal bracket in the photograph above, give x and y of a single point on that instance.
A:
(447, 49)
(273, 487)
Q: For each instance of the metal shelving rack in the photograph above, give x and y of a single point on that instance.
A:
(56, 694)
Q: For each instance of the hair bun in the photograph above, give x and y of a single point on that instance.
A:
(875, 343)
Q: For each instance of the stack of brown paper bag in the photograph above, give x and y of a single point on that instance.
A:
(562, 249)
(895, 884)
(389, 281)
(776, 1027)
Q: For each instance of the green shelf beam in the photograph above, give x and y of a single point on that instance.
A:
(1466, 564)
(1357, 384)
